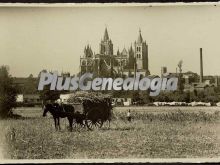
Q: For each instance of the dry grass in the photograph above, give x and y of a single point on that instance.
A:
(172, 135)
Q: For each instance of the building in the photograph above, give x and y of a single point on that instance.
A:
(124, 63)
(193, 81)
(20, 81)
(190, 77)
(32, 99)
(28, 99)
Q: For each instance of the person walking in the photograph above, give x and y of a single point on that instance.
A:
(129, 115)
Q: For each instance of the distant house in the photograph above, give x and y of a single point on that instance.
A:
(192, 82)
(20, 81)
(198, 86)
(26, 85)
(29, 99)
(32, 98)
(122, 101)
(20, 98)
(190, 77)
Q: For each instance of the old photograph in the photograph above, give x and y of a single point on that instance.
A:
(110, 82)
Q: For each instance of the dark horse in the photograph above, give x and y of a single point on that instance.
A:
(60, 111)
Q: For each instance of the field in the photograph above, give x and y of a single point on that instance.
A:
(155, 132)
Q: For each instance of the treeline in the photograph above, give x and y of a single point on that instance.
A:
(210, 94)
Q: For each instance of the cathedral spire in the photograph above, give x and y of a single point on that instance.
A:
(85, 50)
(106, 46)
(131, 49)
(140, 39)
(106, 35)
(118, 53)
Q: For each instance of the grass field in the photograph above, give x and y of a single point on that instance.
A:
(155, 132)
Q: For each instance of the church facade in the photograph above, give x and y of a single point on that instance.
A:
(124, 63)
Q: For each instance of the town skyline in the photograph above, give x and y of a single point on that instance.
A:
(53, 37)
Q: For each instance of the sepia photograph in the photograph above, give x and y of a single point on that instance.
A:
(110, 83)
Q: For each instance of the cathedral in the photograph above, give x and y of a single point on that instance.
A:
(124, 63)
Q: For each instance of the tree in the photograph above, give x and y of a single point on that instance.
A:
(30, 86)
(8, 92)
(136, 97)
(144, 95)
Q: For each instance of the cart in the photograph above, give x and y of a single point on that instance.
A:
(91, 111)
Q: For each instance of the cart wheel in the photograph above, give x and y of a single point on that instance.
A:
(78, 126)
(94, 124)
(99, 123)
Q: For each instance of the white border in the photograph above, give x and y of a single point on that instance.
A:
(107, 4)
(124, 160)
(135, 160)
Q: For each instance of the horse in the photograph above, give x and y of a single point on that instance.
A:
(60, 111)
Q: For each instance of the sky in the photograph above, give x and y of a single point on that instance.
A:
(53, 38)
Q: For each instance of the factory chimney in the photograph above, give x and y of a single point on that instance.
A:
(201, 66)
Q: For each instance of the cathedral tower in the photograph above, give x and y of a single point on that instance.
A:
(86, 62)
(88, 52)
(131, 59)
(106, 46)
(141, 54)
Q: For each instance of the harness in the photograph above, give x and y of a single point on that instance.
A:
(59, 107)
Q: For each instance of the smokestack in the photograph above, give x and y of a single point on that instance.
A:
(201, 66)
